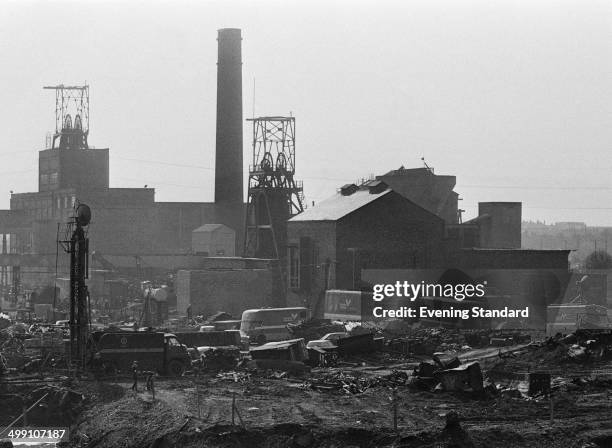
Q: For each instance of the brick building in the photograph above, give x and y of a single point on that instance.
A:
(372, 234)
(368, 226)
(125, 222)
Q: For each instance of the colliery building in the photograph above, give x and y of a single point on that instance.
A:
(128, 225)
(392, 227)
(376, 233)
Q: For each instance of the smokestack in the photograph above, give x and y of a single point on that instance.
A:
(228, 161)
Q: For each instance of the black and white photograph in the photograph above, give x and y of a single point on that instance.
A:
(306, 224)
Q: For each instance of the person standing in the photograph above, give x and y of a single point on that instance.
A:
(135, 376)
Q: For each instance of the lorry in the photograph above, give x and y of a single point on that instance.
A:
(153, 350)
(565, 318)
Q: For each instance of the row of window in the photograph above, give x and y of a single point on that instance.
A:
(12, 243)
(43, 208)
(6, 276)
(48, 179)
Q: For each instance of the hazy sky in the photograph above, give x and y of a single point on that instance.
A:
(512, 97)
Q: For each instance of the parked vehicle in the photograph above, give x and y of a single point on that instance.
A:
(327, 342)
(568, 317)
(161, 352)
(270, 324)
(345, 305)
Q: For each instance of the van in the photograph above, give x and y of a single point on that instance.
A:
(270, 324)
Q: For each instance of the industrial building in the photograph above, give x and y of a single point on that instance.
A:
(375, 234)
(400, 221)
(360, 226)
(128, 224)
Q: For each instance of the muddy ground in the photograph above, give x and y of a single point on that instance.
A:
(275, 410)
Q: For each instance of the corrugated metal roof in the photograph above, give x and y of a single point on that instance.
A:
(338, 206)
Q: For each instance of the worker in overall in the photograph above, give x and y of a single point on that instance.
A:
(135, 375)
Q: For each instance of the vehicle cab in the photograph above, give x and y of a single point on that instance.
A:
(177, 356)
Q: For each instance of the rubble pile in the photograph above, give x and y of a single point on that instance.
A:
(12, 348)
(314, 329)
(577, 349)
(58, 405)
(342, 382)
(448, 375)
(234, 376)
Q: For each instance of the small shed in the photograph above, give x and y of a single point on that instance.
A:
(214, 240)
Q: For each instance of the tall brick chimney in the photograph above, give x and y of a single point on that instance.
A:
(228, 160)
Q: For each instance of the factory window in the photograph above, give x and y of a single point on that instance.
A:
(8, 279)
(53, 178)
(6, 243)
(44, 179)
(73, 201)
(59, 203)
(294, 267)
(306, 263)
(65, 201)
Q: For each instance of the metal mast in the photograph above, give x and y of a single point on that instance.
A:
(76, 243)
(71, 129)
(274, 196)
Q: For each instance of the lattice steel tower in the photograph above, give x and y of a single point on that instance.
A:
(72, 131)
(274, 196)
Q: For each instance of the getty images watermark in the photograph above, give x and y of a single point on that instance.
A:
(432, 291)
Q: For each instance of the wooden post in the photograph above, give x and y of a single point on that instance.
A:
(552, 417)
(233, 406)
(395, 409)
(198, 399)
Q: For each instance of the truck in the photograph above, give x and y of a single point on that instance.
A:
(155, 351)
(565, 318)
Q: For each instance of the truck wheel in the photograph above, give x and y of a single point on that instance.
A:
(176, 368)
(261, 339)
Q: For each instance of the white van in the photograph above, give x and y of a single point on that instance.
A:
(270, 324)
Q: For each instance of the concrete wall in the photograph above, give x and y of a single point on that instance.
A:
(73, 168)
(511, 287)
(502, 228)
(509, 259)
(176, 220)
(232, 291)
(215, 241)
